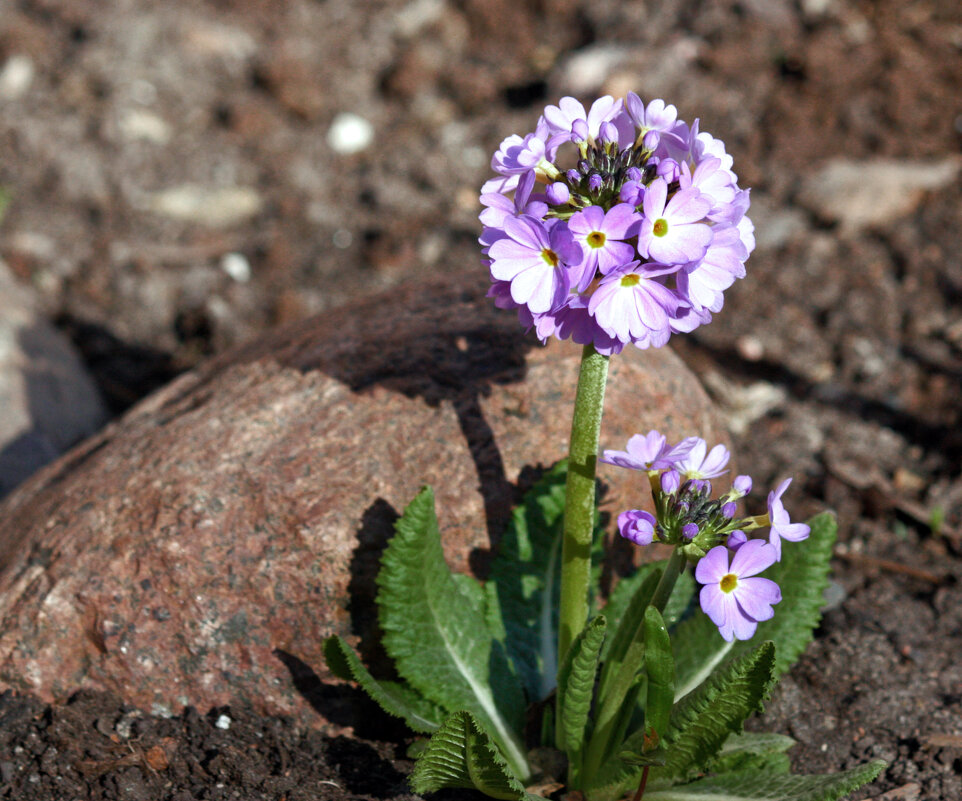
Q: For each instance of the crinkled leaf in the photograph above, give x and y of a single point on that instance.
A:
(754, 751)
(755, 786)
(461, 754)
(527, 577)
(802, 575)
(700, 723)
(439, 638)
(703, 720)
(576, 682)
(393, 697)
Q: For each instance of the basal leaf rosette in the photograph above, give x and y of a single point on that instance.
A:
(620, 224)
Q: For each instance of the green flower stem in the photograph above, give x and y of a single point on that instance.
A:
(611, 705)
(579, 516)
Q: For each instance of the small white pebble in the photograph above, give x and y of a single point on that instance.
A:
(350, 133)
(16, 77)
(237, 267)
(750, 348)
(222, 722)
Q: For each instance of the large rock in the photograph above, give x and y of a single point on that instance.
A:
(48, 402)
(200, 549)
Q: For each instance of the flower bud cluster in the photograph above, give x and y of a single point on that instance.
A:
(620, 224)
(707, 530)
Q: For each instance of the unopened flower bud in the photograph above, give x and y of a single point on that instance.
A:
(594, 182)
(579, 131)
(670, 481)
(558, 193)
(608, 133)
(729, 509)
(689, 531)
(736, 539)
(742, 485)
(637, 526)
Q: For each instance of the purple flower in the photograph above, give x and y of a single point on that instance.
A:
(534, 260)
(674, 231)
(782, 527)
(633, 307)
(601, 236)
(648, 452)
(733, 596)
(637, 526)
(697, 465)
(639, 230)
(736, 540)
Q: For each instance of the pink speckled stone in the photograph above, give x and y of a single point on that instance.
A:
(200, 549)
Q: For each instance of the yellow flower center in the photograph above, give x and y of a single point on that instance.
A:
(596, 239)
(550, 256)
(728, 582)
(660, 228)
(631, 279)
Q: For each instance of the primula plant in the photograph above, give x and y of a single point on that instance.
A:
(613, 226)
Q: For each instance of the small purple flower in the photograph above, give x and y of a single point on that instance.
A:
(637, 525)
(601, 236)
(782, 527)
(699, 464)
(562, 117)
(674, 231)
(648, 452)
(633, 307)
(534, 260)
(734, 597)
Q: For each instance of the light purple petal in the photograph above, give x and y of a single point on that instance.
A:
(752, 558)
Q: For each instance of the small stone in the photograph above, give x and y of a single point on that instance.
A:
(215, 207)
(877, 192)
(138, 124)
(237, 267)
(223, 722)
(350, 133)
(15, 77)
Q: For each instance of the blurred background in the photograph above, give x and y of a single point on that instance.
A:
(177, 177)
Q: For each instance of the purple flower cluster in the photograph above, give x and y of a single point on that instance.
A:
(709, 530)
(635, 231)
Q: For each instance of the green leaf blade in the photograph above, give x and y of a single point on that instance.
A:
(394, 698)
(462, 755)
(576, 682)
(439, 639)
(527, 575)
(755, 786)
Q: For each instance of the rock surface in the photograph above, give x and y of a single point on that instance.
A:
(47, 401)
(199, 550)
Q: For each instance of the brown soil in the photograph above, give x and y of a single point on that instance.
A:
(853, 339)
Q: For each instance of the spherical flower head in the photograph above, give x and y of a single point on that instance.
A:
(782, 527)
(649, 452)
(652, 204)
(637, 526)
(700, 464)
(734, 596)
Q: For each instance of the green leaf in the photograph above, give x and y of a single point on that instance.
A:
(760, 752)
(576, 682)
(802, 575)
(462, 755)
(394, 698)
(699, 725)
(627, 616)
(703, 720)
(660, 671)
(439, 639)
(754, 786)
(527, 575)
